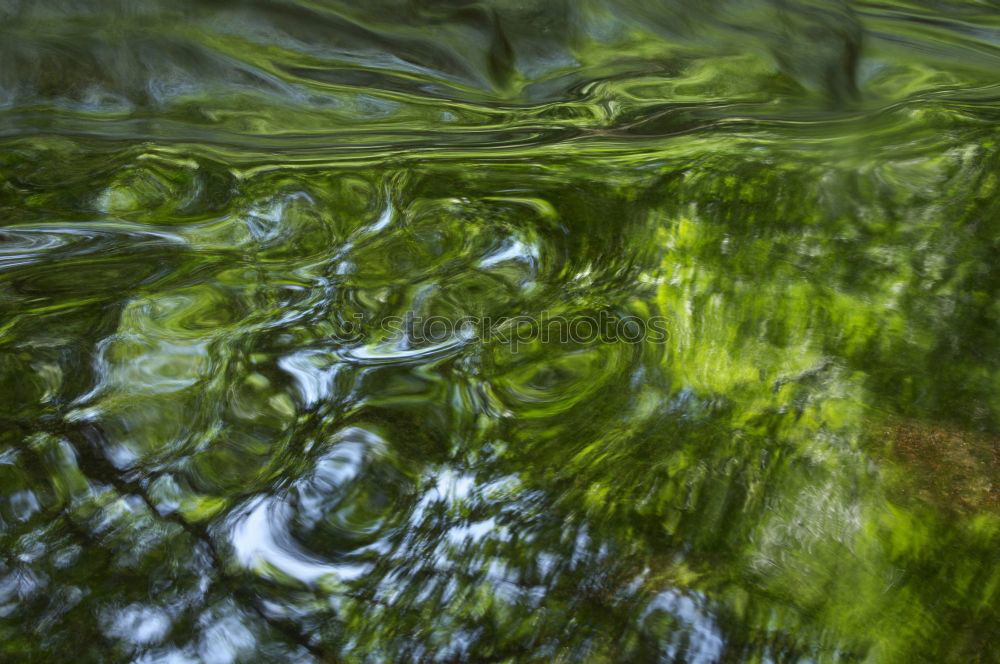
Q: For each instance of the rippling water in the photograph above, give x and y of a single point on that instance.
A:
(213, 449)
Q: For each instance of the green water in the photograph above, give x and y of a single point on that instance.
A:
(214, 449)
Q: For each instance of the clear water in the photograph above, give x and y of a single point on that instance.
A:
(214, 448)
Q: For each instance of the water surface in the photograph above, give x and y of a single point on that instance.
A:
(211, 450)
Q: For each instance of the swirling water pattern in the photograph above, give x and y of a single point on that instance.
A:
(198, 199)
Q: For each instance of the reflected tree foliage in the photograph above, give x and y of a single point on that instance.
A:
(196, 464)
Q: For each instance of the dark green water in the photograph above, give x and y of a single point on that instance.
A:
(213, 448)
